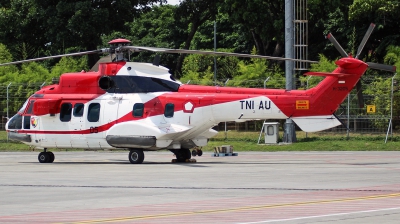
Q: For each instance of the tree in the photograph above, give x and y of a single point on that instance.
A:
(263, 21)
(193, 14)
(228, 35)
(5, 71)
(53, 26)
(22, 27)
(325, 17)
(69, 64)
(324, 65)
(155, 28)
(385, 13)
(255, 72)
(200, 68)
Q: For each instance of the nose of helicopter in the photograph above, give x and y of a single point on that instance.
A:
(13, 126)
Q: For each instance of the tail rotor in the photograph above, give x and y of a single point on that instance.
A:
(372, 65)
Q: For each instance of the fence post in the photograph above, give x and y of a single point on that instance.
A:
(8, 116)
(390, 126)
(348, 115)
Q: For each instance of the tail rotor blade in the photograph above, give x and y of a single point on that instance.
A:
(365, 39)
(332, 39)
(388, 68)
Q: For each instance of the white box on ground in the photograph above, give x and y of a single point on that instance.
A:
(271, 132)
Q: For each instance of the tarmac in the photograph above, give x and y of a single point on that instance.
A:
(253, 187)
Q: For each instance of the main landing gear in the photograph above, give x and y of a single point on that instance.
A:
(136, 156)
(182, 155)
(197, 151)
(46, 157)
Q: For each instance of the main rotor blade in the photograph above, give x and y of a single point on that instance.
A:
(332, 39)
(365, 38)
(389, 68)
(56, 56)
(217, 53)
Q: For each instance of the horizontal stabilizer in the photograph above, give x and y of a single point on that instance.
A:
(327, 74)
(316, 123)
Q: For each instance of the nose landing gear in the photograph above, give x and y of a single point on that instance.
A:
(136, 156)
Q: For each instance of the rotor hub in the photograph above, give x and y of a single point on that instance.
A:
(115, 47)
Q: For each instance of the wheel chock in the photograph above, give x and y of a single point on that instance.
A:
(187, 161)
(191, 160)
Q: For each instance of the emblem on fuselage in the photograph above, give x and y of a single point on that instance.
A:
(188, 107)
(34, 122)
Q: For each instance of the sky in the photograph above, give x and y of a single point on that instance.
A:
(173, 2)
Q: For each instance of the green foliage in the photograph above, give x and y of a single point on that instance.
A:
(325, 17)
(200, 68)
(69, 64)
(385, 14)
(324, 65)
(29, 78)
(5, 71)
(262, 20)
(258, 70)
(156, 28)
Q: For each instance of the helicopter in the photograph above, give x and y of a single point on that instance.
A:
(141, 107)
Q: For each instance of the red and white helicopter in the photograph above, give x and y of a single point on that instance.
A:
(140, 106)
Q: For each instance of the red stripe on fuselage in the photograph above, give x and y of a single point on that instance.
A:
(155, 107)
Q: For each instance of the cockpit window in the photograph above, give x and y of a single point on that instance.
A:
(23, 107)
(30, 108)
(137, 84)
(15, 122)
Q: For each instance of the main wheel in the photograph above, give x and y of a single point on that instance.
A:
(44, 157)
(183, 154)
(136, 156)
(52, 157)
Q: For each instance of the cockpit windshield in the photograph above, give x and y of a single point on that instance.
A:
(23, 107)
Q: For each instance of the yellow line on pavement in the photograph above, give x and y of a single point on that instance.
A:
(132, 218)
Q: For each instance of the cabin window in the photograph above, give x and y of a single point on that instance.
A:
(27, 122)
(169, 110)
(78, 109)
(138, 109)
(65, 112)
(93, 112)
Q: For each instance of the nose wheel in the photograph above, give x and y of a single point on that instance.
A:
(136, 156)
(46, 157)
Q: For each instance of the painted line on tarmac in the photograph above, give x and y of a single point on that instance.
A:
(246, 208)
(194, 188)
(321, 216)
